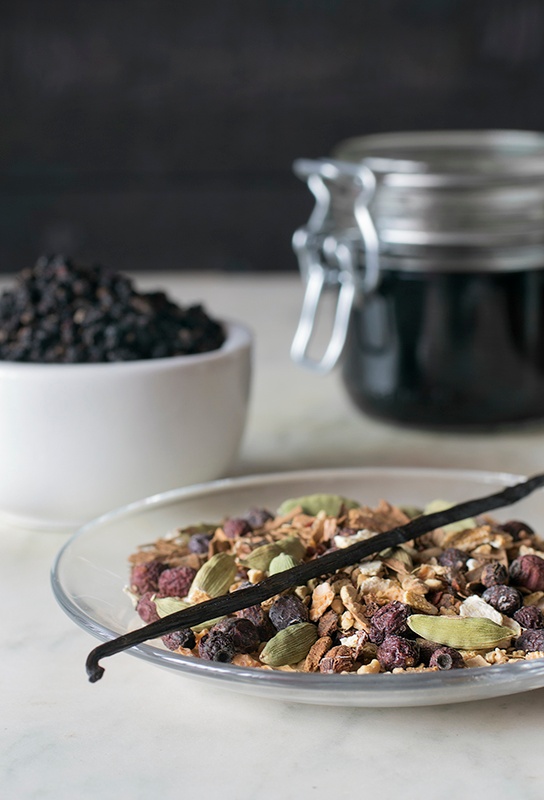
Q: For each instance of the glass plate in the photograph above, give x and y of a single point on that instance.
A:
(91, 570)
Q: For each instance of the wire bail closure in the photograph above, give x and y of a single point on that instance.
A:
(329, 260)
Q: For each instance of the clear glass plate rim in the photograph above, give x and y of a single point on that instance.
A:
(342, 684)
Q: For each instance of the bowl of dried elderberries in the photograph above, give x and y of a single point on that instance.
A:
(108, 394)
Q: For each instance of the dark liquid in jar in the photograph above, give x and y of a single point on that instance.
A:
(455, 350)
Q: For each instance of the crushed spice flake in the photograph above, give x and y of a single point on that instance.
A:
(419, 576)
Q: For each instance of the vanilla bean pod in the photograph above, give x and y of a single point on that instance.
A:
(328, 563)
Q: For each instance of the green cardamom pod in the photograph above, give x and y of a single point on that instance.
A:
(411, 511)
(289, 645)
(215, 577)
(463, 633)
(281, 562)
(312, 504)
(453, 527)
(261, 557)
(169, 605)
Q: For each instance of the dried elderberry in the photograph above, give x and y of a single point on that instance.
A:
(446, 658)
(243, 633)
(514, 527)
(389, 619)
(453, 558)
(287, 610)
(528, 571)
(145, 577)
(398, 652)
(260, 619)
(146, 608)
(234, 527)
(530, 641)
(181, 638)
(176, 581)
(61, 312)
(200, 542)
(257, 517)
(505, 599)
(530, 617)
(216, 646)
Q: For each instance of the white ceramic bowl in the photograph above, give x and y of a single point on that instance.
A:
(79, 439)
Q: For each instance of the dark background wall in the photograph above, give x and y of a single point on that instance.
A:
(159, 134)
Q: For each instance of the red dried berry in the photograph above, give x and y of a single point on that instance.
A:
(145, 577)
(146, 608)
(181, 638)
(389, 619)
(530, 617)
(494, 574)
(287, 610)
(176, 581)
(398, 652)
(446, 658)
(505, 599)
(235, 527)
(531, 641)
(528, 571)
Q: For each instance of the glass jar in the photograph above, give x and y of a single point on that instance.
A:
(434, 243)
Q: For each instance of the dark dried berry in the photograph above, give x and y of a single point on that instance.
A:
(528, 571)
(244, 634)
(426, 649)
(514, 527)
(397, 652)
(531, 641)
(200, 542)
(446, 658)
(146, 608)
(287, 610)
(530, 617)
(182, 638)
(505, 599)
(389, 619)
(328, 624)
(494, 574)
(236, 527)
(216, 646)
(176, 581)
(257, 517)
(65, 313)
(260, 619)
(338, 659)
(145, 577)
(453, 558)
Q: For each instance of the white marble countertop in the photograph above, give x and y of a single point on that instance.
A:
(148, 733)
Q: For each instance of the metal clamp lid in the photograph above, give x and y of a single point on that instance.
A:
(328, 259)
